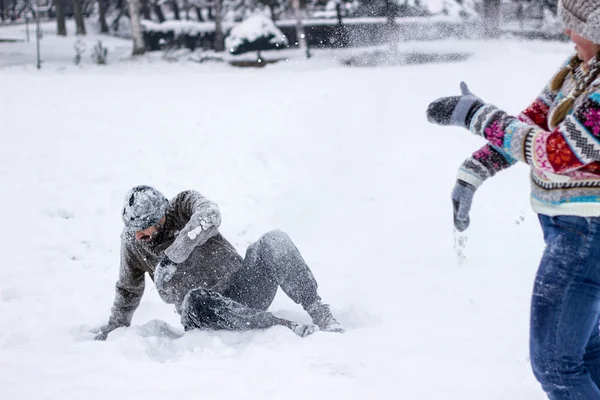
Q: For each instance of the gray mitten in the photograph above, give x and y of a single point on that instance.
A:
(455, 110)
(163, 273)
(102, 332)
(202, 225)
(462, 199)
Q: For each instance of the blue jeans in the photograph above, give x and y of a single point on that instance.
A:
(565, 309)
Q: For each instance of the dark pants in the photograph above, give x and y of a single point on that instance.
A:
(271, 262)
(565, 309)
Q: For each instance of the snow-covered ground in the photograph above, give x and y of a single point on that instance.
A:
(340, 158)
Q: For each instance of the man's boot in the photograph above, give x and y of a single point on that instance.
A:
(322, 317)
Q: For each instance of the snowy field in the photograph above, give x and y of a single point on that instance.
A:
(341, 158)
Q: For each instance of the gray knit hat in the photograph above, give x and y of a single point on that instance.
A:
(143, 207)
(582, 17)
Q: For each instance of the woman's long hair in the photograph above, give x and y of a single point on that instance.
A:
(564, 107)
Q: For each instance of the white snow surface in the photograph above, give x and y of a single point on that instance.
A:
(340, 158)
(252, 29)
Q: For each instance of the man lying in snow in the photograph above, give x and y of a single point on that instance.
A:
(178, 244)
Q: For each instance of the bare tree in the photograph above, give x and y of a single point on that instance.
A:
(219, 44)
(61, 26)
(88, 8)
(219, 35)
(186, 7)
(79, 22)
(175, 8)
(145, 9)
(121, 10)
(219, 7)
(276, 7)
(136, 28)
(101, 16)
(156, 6)
(199, 13)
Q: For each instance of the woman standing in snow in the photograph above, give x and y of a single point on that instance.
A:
(559, 136)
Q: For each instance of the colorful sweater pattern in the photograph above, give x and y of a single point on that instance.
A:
(564, 160)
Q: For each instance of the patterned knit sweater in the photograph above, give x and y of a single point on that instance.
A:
(565, 160)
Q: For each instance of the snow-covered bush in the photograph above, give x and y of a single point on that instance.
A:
(100, 53)
(256, 33)
(79, 47)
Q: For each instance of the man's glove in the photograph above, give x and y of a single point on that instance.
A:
(462, 198)
(163, 273)
(102, 332)
(455, 110)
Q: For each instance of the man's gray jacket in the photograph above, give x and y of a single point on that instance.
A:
(191, 239)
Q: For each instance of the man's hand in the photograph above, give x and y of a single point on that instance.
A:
(454, 110)
(103, 331)
(462, 198)
(164, 272)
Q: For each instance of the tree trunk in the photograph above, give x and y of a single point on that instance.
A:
(88, 8)
(219, 36)
(338, 12)
(61, 26)
(23, 8)
(146, 10)
(159, 13)
(102, 16)
(115, 23)
(175, 8)
(211, 16)
(199, 14)
(136, 28)
(79, 22)
(300, 34)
